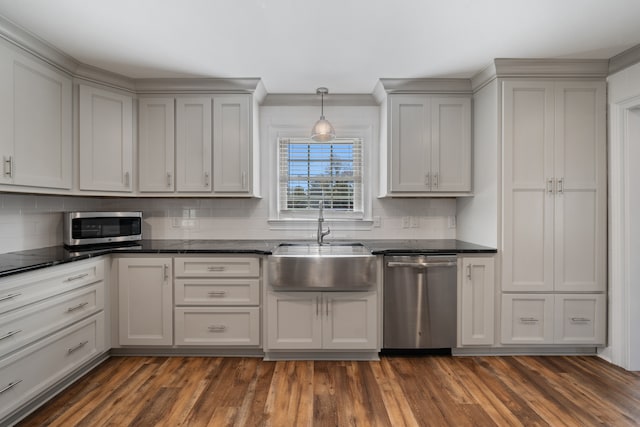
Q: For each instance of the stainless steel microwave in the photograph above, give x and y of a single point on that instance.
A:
(97, 228)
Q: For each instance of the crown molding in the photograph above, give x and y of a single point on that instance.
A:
(34, 45)
(545, 67)
(624, 59)
(423, 85)
(199, 85)
(307, 100)
(104, 77)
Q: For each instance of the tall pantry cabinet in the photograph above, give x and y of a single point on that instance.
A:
(541, 124)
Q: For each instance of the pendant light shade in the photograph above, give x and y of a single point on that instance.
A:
(322, 131)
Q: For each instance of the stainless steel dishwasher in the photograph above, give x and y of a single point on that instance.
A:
(420, 302)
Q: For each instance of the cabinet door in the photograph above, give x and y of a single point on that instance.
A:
(106, 140)
(527, 319)
(35, 122)
(294, 320)
(145, 301)
(193, 144)
(156, 144)
(580, 319)
(349, 320)
(231, 143)
(528, 132)
(450, 144)
(410, 143)
(477, 296)
(581, 180)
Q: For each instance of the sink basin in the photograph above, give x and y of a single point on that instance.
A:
(309, 267)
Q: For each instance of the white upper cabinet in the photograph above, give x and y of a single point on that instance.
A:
(231, 143)
(106, 140)
(193, 144)
(35, 122)
(554, 186)
(429, 144)
(156, 144)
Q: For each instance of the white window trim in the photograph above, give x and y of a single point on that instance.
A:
(305, 220)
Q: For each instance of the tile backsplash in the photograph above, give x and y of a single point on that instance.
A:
(32, 221)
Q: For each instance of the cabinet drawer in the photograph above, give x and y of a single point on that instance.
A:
(527, 319)
(20, 327)
(217, 267)
(218, 326)
(217, 291)
(30, 371)
(580, 319)
(18, 291)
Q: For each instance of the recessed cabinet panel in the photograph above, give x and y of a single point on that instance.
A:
(477, 290)
(237, 326)
(350, 320)
(579, 319)
(156, 144)
(106, 140)
(193, 144)
(231, 142)
(35, 122)
(527, 319)
(217, 292)
(293, 320)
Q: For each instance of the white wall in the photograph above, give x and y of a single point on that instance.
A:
(624, 219)
(30, 221)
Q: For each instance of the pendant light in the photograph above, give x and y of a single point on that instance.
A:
(322, 131)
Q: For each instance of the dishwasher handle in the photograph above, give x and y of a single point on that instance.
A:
(422, 264)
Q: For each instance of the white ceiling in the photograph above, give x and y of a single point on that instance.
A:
(347, 45)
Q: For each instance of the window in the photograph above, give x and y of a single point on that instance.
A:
(311, 172)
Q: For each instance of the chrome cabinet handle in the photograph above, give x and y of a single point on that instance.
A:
(77, 347)
(165, 271)
(427, 180)
(206, 179)
(580, 320)
(215, 268)
(78, 277)
(10, 334)
(327, 307)
(317, 306)
(469, 271)
(8, 166)
(168, 179)
(126, 179)
(561, 186)
(10, 296)
(435, 180)
(244, 179)
(550, 185)
(217, 328)
(217, 293)
(10, 386)
(77, 307)
(529, 320)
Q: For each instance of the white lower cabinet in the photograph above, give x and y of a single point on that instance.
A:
(322, 320)
(145, 301)
(477, 296)
(553, 319)
(217, 301)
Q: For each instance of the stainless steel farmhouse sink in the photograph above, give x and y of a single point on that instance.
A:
(312, 267)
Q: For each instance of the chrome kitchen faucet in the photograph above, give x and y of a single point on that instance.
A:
(321, 233)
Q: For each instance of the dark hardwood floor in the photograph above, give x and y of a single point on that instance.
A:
(397, 391)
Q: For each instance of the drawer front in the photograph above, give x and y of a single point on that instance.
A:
(527, 319)
(217, 267)
(28, 372)
(20, 327)
(22, 289)
(217, 291)
(580, 319)
(224, 326)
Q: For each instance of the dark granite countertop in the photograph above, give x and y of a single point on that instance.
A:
(33, 259)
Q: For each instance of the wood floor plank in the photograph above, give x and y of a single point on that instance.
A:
(395, 391)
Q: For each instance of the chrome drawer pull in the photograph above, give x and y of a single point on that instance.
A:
(78, 347)
(215, 268)
(10, 386)
(10, 296)
(217, 328)
(10, 334)
(79, 276)
(422, 264)
(77, 307)
(580, 320)
(529, 320)
(217, 293)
